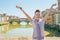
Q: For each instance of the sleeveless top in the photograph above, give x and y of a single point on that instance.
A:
(41, 24)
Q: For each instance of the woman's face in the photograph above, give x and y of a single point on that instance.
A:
(37, 15)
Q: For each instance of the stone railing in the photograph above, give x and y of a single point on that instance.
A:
(27, 38)
(15, 38)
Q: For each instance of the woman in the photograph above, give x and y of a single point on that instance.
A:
(37, 22)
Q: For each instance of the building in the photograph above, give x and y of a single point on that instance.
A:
(0, 17)
(57, 17)
(50, 19)
(6, 18)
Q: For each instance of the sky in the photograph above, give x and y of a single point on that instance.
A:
(9, 6)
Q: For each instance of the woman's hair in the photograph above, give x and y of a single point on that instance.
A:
(37, 11)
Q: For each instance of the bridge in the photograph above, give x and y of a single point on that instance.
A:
(18, 20)
(10, 19)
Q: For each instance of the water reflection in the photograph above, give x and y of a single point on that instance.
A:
(24, 32)
(16, 29)
(20, 32)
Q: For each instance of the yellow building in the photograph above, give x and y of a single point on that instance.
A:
(50, 19)
(5, 17)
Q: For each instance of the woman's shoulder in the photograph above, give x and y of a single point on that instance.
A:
(41, 20)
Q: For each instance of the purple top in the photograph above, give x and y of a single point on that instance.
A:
(38, 29)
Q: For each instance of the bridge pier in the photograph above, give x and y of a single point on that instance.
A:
(10, 22)
(27, 22)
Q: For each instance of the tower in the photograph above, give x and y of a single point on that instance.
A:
(58, 4)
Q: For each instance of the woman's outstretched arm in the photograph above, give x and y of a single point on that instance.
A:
(28, 17)
(47, 15)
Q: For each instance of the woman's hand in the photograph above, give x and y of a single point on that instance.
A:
(18, 7)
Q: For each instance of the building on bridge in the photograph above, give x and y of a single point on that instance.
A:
(7, 18)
